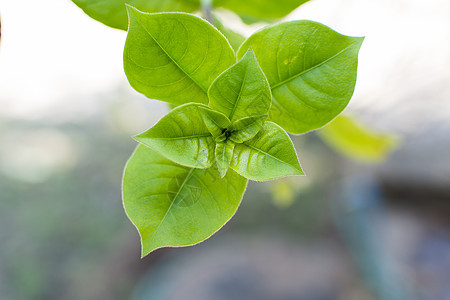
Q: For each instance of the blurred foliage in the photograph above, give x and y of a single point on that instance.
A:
(356, 141)
(285, 190)
(283, 193)
(58, 236)
(253, 11)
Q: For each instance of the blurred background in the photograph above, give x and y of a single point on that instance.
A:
(366, 229)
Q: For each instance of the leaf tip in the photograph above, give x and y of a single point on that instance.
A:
(131, 13)
(144, 254)
(300, 172)
(223, 173)
(299, 169)
(359, 40)
(250, 54)
(137, 138)
(130, 9)
(146, 248)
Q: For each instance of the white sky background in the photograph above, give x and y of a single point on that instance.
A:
(53, 56)
(50, 50)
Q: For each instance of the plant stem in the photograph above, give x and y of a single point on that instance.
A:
(207, 8)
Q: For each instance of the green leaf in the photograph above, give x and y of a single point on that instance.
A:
(311, 70)
(173, 205)
(252, 10)
(246, 128)
(241, 91)
(113, 12)
(270, 154)
(182, 137)
(174, 57)
(224, 154)
(215, 121)
(356, 141)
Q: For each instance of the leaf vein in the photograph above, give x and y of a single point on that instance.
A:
(312, 68)
(176, 63)
(171, 204)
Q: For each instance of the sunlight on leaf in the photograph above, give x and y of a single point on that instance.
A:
(270, 154)
(174, 206)
(311, 70)
(241, 91)
(174, 57)
(182, 137)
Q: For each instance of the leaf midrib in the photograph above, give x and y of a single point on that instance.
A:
(313, 67)
(188, 176)
(174, 61)
(182, 137)
(270, 155)
(240, 93)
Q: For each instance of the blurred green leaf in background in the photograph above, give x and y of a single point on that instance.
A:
(356, 141)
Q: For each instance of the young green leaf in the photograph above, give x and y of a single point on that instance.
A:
(356, 141)
(241, 91)
(311, 70)
(252, 10)
(182, 137)
(224, 154)
(113, 12)
(215, 121)
(246, 128)
(174, 57)
(270, 154)
(172, 205)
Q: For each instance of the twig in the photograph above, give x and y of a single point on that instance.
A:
(207, 8)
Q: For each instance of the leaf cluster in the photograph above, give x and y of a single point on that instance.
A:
(231, 131)
(232, 114)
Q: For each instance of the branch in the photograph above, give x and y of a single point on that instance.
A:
(207, 8)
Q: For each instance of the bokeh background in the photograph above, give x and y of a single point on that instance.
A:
(348, 230)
